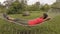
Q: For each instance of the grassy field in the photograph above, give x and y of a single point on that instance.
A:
(49, 27)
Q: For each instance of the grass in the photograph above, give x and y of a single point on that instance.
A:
(32, 15)
(49, 27)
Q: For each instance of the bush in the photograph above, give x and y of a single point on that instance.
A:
(15, 8)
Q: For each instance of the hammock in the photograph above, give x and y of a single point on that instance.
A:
(16, 21)
(19, 21)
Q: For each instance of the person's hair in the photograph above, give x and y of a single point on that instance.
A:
(45, 15)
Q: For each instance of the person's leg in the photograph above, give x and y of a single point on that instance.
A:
(23, 22)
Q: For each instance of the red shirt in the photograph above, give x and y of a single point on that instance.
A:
(35, 21)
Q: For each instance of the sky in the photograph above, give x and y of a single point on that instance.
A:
(41, 1)
(30, 2)
(2, 1)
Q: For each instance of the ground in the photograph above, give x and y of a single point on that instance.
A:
(49, 27)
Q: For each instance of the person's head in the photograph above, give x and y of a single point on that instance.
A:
(45, 15)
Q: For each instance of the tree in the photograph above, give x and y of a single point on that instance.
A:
(15, 8)
(24, 4)
(36, 6)
(46, 7)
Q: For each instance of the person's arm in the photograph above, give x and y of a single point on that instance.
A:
(47, 19)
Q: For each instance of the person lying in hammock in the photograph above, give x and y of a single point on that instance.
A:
(33, 22)
(39, 20)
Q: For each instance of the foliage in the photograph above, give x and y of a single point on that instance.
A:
(34, 7)
(19, 7)
(24, 5)
(2, 9)
(14, 8)
(56, 5)
(46, 7)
